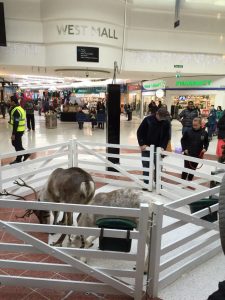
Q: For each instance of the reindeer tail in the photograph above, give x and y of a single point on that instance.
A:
(87, 190)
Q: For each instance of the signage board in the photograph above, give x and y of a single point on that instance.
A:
(192, 83)
(87, 54)
(178, 66)
(152, 85)
(91, 90)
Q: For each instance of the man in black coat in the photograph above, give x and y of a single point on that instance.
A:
(187, 115)
(194, 142)
(154, 130)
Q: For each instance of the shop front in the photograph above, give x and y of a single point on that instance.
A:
(201, 91)
(134, 94)
(149, 94)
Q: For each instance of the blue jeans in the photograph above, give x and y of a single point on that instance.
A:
(184, 129)
(146, 164)
(211, 130)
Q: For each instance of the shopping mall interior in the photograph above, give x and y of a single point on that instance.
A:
(87, 74)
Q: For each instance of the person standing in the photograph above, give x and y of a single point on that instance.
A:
(154, 130)
(219, 113)
(211, 124)
(221, 139)
(152, 108)
(194, 143)
(29, 108)
(187, 115)
(3, 107)
(17, 122)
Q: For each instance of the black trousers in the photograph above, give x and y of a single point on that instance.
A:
(17, 144)
(189, 165)
(30, 121)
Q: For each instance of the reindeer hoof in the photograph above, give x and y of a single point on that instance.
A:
(56, 244)
(61, 223)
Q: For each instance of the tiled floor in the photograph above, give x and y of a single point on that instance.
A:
(43, 137)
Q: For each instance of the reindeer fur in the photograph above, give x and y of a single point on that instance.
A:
(117, 198)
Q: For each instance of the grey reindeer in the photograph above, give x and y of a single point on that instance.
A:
(118, 198)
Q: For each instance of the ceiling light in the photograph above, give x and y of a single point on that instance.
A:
(219, 2)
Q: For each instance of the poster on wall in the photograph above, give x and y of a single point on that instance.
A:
(88, 54)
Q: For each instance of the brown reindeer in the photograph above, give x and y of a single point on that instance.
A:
(73, 185)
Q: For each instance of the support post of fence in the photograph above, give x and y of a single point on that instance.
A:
(70, 154)
(142, 228)
(155, 250)
(151, 167)
(158, 170)
(75, 153)
(0, 175)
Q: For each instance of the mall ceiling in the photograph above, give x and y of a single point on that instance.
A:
(210, 8)
(207, 7)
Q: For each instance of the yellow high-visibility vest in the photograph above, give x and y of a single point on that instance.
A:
(22, 120)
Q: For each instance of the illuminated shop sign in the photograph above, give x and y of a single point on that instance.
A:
(193, 83)
(90, 90)
(148, 85)
(134, 87)
(87, 30)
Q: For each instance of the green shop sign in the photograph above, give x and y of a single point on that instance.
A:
(148, 85)
(193, 83)
(91, 90)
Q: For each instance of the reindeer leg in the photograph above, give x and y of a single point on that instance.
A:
(70, 219)
(64, 219)
(56, 214)
(59, 241)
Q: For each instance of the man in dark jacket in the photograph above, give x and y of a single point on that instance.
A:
(154, 130)
(194, 142)
(29, 108)
(187, 115)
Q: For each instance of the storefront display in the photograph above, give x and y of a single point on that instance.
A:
(203, 102)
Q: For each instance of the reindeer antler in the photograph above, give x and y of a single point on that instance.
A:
(23, 183)
(5, 193)
(28, 213)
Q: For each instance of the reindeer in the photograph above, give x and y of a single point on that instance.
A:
(117, 198)
(73, 185)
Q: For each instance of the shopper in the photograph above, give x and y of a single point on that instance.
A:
(219, 113)
(160, 104)
(129, 113)
(101, 115)
(154, 130)
(45, 102)
(187, 115)
(3, 108)
(211, 124)
(29, 108)
(194, 143)
(152, 108)
(81, 118)
(221, 139)
(93, 117)
(17, 122)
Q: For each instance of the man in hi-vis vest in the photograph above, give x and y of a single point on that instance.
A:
(17, 122)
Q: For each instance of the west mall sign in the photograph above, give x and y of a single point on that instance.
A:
(86, 30)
